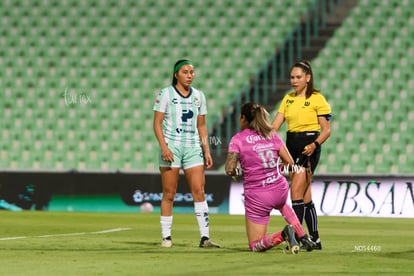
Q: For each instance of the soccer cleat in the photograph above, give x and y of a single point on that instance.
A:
(307, 243)
(289, 236)
(166, 242)
(318, 243)
(205, 242)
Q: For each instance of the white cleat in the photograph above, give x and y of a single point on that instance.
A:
(167, 242)
(207, 243)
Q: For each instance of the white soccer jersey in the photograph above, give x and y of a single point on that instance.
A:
(180, 115)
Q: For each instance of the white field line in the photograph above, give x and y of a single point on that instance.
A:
(66, 234)
(12, 238)
(110, 230)
(60, 235)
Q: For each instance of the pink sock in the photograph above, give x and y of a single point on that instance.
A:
(277, 238)
(292, 219)
(261, 245)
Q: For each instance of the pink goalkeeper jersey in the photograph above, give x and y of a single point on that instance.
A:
(259, 158)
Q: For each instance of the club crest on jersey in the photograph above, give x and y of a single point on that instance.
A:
(197, 102)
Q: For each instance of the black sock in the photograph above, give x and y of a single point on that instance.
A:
(204, 238)
(311, 219)
(299, 208)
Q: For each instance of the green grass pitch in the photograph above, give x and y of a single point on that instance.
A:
(77, 243)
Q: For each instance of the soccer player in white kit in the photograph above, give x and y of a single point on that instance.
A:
(258, 149)
(181, 131)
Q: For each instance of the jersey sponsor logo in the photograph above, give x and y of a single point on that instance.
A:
(187, 114)
(185, 102)
(270, 179)
(289, 102)
(251, 139)
(261, 147)
(180, 130)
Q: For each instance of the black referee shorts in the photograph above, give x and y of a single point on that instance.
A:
(296, 142)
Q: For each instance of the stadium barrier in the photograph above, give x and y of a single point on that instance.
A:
(333, 195)
(101, 191)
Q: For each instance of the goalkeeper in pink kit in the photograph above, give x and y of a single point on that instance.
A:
(258, 149)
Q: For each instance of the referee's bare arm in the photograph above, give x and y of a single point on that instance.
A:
(323, 136)
(278, 121)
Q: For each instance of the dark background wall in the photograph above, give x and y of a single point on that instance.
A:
(34, 189)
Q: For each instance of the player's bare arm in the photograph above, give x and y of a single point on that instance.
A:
(231, 163)
(202, 131)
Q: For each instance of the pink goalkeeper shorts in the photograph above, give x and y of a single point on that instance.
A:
(259, 202)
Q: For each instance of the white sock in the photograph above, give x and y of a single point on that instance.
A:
(201, 212)
(166, 224)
